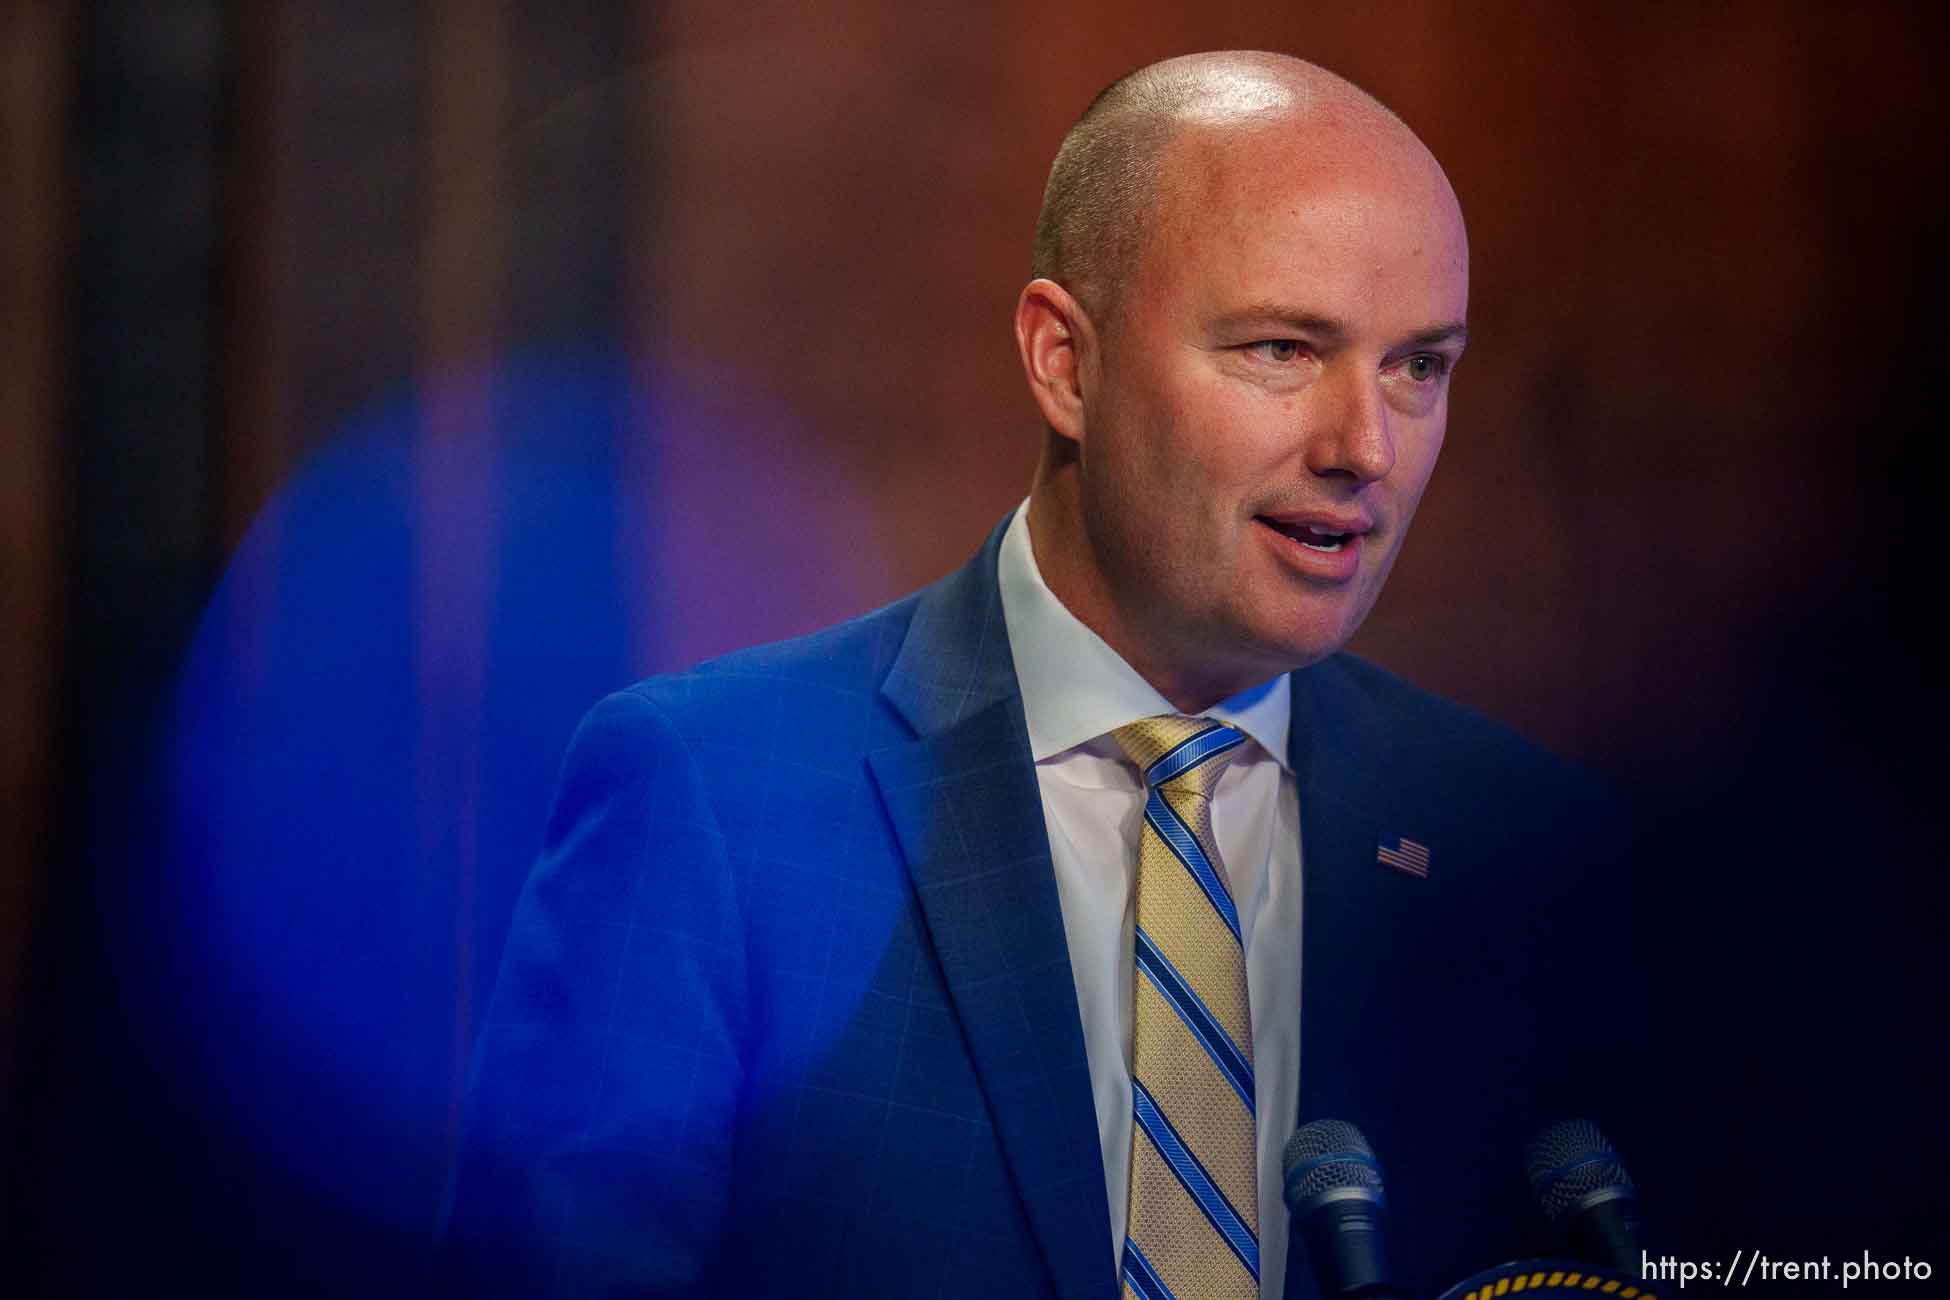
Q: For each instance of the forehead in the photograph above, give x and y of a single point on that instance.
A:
(1328, 219)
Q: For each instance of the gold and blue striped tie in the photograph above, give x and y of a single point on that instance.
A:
(1192, 1228)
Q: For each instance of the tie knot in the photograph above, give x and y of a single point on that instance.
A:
(1180, 753)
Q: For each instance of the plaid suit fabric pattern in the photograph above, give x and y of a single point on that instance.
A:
(724, 1055)
(786, 1007)
(1192, 1226)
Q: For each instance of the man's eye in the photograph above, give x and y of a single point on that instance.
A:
(1424, 367)
(1278, 349)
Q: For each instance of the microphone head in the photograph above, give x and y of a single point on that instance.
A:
(1329, 1159)
(1573, 1167)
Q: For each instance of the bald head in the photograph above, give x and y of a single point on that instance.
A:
(1252, 287)
(1115, 163)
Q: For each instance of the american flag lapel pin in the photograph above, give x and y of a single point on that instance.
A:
(1407, 856)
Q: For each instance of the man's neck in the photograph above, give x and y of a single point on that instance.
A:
(1063, 556)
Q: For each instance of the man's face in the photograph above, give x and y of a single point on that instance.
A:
(1268, 401)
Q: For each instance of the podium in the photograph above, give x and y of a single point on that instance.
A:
(1558, 1277)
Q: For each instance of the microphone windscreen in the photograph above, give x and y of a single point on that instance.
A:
(1572, 1164)
(1328, 1155)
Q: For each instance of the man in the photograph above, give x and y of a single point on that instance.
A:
(867, 964)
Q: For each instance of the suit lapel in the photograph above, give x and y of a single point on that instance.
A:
(964, 802)
(1359, 919)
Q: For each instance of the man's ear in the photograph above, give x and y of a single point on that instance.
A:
(1055, 339)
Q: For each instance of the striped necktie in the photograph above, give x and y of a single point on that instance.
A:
(1192, 1229)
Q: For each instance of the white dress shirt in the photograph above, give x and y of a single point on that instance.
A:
(1075, 691)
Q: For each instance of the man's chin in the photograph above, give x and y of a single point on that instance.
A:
(1287, 653)
(1305, 656)
(1314, 635)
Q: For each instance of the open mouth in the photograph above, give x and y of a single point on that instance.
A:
(1314, 539)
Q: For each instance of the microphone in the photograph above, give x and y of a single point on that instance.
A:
(1333, 1192)
(1583, 1188)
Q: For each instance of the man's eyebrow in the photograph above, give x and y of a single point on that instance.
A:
(1449, 332)
(1329, 330)
(1323, 327)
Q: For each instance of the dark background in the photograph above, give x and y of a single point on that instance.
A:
(384, 382)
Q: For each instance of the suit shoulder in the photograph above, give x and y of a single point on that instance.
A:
(1383, 693)
(814, 683)
(1452, 738)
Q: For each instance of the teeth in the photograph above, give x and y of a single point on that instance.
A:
(1330, 541)
(1326, 540)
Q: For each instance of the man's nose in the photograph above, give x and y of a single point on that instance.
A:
(1350, 435)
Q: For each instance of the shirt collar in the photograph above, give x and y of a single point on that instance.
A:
(1075, 688)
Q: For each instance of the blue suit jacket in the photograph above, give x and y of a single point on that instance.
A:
(787, 1009)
